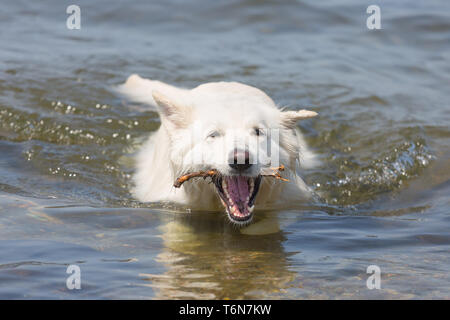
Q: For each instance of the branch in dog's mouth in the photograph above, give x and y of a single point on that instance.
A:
(237, 193)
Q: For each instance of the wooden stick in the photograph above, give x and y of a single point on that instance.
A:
(186, 177)
(274, 172)
(265, 172)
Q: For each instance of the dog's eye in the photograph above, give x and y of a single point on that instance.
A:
(213, 134)
(258, 131)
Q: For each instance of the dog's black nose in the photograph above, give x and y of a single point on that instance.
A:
(240, 160)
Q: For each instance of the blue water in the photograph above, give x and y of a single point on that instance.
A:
(66, 145)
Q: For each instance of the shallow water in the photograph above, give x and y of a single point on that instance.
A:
(66, 141)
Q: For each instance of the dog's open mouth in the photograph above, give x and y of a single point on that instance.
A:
(238, 195)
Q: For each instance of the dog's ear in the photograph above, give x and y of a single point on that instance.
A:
(289, 118)
(171, 111)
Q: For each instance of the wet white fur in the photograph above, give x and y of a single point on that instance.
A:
(212, 106)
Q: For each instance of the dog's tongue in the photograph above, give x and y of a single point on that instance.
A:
(238, 189)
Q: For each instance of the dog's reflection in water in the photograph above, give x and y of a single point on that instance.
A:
(208, 258)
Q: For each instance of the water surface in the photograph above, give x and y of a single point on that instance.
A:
(66, 145)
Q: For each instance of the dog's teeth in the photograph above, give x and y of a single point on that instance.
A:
(250, 209)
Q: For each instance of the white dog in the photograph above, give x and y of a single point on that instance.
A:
(230, 127)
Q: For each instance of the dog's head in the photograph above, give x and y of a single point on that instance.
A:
(232, 128)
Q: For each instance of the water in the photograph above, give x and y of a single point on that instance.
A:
(66, 144)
